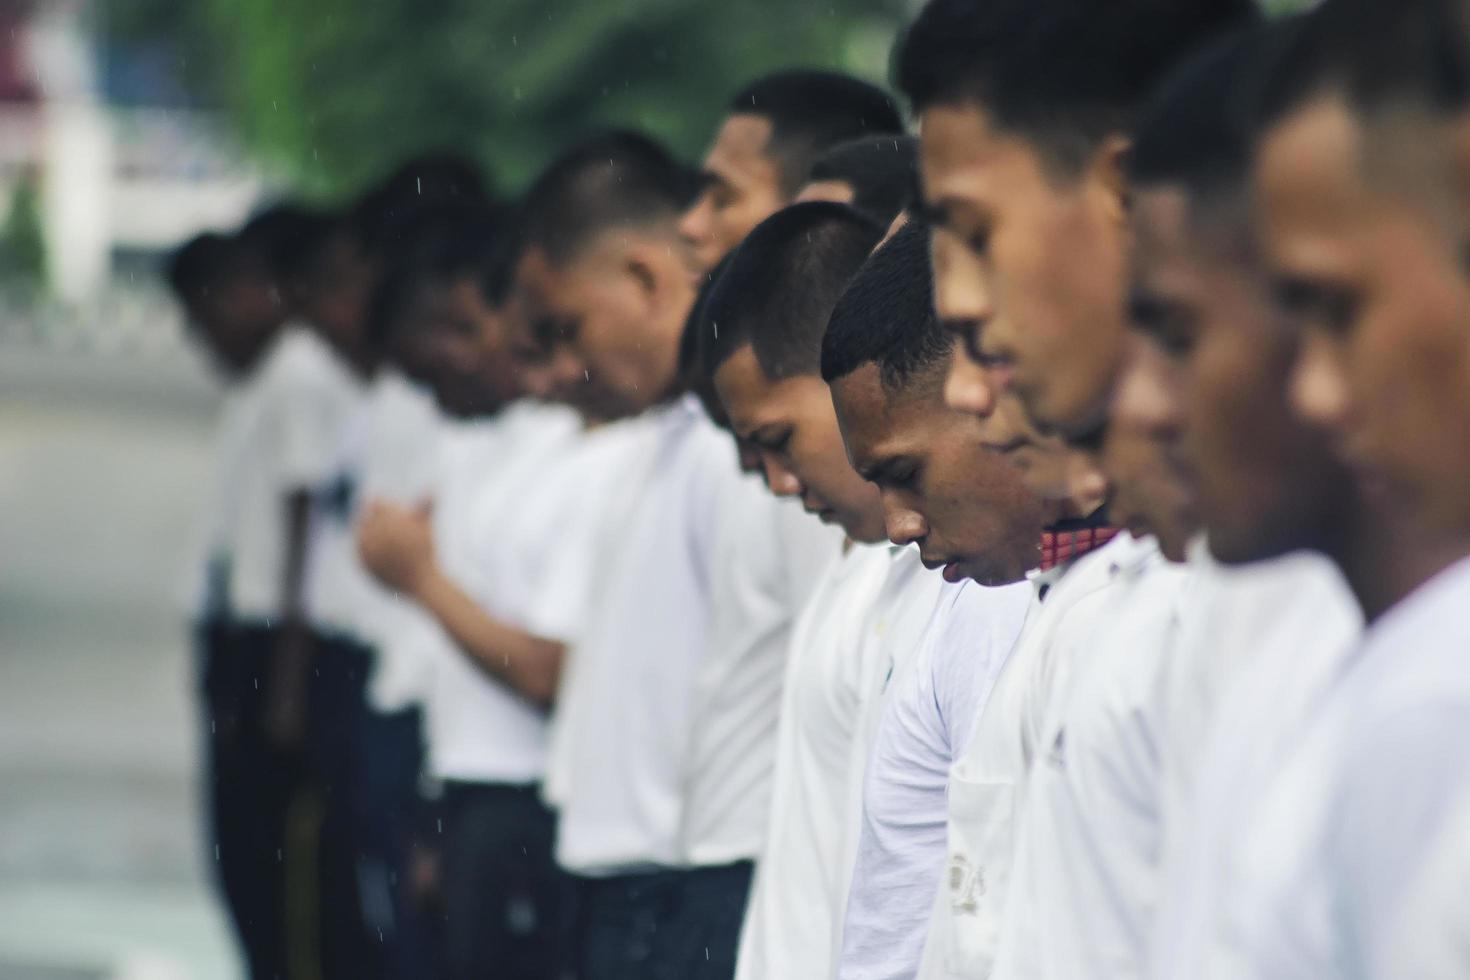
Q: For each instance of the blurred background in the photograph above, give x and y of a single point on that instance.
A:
(125, 128)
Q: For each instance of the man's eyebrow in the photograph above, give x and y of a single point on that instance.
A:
(930, 214)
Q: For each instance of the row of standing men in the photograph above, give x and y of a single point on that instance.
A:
(1117, 637)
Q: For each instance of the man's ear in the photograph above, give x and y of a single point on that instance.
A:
(1109, 169)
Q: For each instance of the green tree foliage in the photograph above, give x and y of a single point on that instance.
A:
(22, 242)
(333, 92)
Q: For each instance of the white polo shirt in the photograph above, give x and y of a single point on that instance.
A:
(1353, 815)
(987, 789)
(294, 408)
(1264, 641)
(790, 918)
(925, 722)
(769, 557)
(647, 636)
(1085, 878)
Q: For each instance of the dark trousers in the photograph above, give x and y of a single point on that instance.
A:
(334, 936)
(501, 890)
(249, 787)
(673, 924)
(390, 813)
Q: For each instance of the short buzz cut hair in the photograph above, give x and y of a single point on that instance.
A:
(886, 317)
(204, 262)
(1196, 133)
(882, 171)
(618, 179)
(811, 111)
(780, 286)
(1064, 74)
(1377, 55)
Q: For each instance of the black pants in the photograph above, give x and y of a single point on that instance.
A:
(501, 889)
(325, 904)
(674, 924)
(250, 785)
(389, 825)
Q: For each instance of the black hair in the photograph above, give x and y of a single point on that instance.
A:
(811, 111)
(1064, 73)
(693, 343)
(617, 179)
(781, 285)
(1375, 54)
(434, 246)
(270, 233)
(886, 317)
(882, 171)
(427, 180)
(1196, 133)
(314, 230)
(203, 262)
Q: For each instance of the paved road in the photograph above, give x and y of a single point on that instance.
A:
(103, 870)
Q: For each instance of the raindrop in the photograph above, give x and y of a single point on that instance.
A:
(257, 683)
(278, 855)
(587, 374)
(706, 954)
(418, 183)
(716, 327)
(216, 852)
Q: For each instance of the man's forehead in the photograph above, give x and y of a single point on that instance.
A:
(740, 144)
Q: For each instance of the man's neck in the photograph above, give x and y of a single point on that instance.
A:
(1383, 559)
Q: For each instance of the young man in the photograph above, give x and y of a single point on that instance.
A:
(1376, 279)
(1025, 119)
(231, 300)
(607, 285)
(875, 174)
(964, 508)
(760, 340)
(775, 129)
(507, 598)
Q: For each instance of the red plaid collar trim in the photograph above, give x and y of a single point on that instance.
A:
(1060, 546)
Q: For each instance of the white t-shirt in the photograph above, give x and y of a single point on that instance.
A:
(293, 412)
(893, 634)
(925, 722)
(1351, 819)
(647, 636)
(987, 789)
(513, 505)
(388, 452)
(1258, 646)
(1085, 877)
(769, 556)
(789, 920)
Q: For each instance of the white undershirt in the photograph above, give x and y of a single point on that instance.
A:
(935, 700)
(790, 920)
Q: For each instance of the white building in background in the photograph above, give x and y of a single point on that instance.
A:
(113, 181)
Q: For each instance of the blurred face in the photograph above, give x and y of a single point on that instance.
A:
(238, 318)
(791, 426)
(962, 505)
(1379, 290)
(335, 292)
(1140, 452)
(1263, 483)
(743, 188)
(1044, 256)
(607, 323)
(452, 340)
